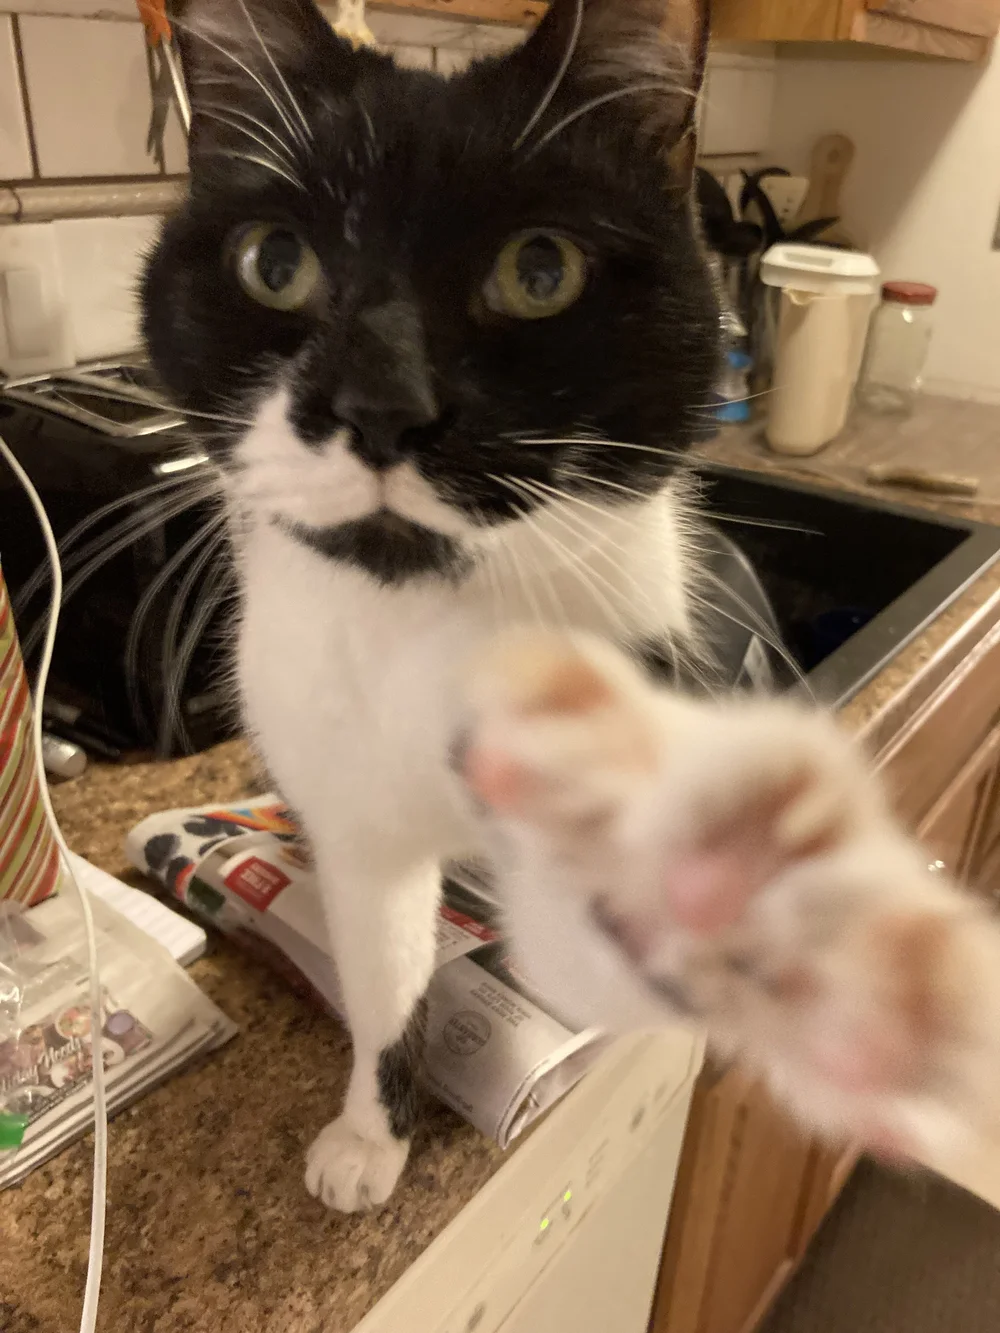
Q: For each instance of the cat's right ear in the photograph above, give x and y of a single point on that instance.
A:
(254, 71)
(645, 56)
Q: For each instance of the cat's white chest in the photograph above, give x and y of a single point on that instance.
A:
(349, 688)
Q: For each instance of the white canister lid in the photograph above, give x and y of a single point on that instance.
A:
(817, 268)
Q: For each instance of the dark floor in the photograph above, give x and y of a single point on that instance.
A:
(898, 1255)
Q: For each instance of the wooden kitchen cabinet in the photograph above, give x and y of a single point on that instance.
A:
(955, 29)
(752, 1187)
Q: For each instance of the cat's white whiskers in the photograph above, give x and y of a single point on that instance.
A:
(560, 74)
(369, 123)
(66, 544)
(154, 589)
(234, 124)
(575, 564)
(624, 569)
(200, 35)
(546, 575)
(756, 625)
(203, 107)
(258, 161)
(614, 95)
(715, 515)
(219, 584)
(96, 554)
(662, 451)
(603, 544)
(587, 576)
(292, 100)
(170, 713)
(524, 582)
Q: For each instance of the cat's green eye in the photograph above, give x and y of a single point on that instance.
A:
(274, 265)
(537, 274)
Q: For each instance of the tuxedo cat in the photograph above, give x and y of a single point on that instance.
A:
(447, 342)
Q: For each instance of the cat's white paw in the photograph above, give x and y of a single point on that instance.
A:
(350, 1172)
(736, 861)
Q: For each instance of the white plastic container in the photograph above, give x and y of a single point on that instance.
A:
(818, 336)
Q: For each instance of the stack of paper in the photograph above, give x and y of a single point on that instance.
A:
(154, 1020)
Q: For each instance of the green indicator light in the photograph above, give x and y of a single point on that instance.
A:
(567, 1196)
(544, 1224)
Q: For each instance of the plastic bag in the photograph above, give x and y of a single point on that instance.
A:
(29, 865)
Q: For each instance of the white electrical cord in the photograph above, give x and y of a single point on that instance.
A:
(98, 1210)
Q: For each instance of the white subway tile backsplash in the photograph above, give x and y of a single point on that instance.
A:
(15, 152)
(736, 106)
(88, 90)
(101, 260)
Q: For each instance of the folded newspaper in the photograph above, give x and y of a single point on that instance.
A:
(492, 1053)
(154, 1019)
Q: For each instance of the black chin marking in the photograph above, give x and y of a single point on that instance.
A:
(387, 546)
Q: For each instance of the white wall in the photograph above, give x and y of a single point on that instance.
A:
(924, 190)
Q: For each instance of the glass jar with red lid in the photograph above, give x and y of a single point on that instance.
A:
(898, 343)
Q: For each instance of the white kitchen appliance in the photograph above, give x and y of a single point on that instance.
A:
(567, 1236)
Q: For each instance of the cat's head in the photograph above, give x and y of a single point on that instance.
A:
(404, 311)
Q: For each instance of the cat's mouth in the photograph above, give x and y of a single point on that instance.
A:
(390, 547)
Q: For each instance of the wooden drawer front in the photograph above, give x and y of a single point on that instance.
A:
(935, 746)
(979, 17)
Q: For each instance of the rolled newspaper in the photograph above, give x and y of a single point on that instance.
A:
(491, 1052)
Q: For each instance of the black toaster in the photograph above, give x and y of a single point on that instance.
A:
(140, 658)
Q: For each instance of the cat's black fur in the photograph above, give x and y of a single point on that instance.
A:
(409, 187)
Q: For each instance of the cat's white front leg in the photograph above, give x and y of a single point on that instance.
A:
(382, 933)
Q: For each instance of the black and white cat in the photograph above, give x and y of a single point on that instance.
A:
(447, 341)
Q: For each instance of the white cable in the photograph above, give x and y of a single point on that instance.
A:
(98, 1210)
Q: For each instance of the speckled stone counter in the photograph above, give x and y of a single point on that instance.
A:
(210, 1229)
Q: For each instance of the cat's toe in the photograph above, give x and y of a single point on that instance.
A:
(561, 727)
(352, 1173)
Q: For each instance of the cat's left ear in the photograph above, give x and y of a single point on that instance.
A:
(648, 56)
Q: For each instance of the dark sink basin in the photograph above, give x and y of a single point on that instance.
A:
(851, 580)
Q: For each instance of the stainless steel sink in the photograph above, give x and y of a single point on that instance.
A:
(851, 580)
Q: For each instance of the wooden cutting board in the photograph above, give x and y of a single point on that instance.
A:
(829, 164)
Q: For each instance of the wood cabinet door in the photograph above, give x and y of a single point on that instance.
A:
(779, 20)
(962, 829)
(980, 18)
(736, 1224)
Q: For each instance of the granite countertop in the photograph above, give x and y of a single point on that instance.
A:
(210, 1229)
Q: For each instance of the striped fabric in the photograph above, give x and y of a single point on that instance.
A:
(29, 860)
